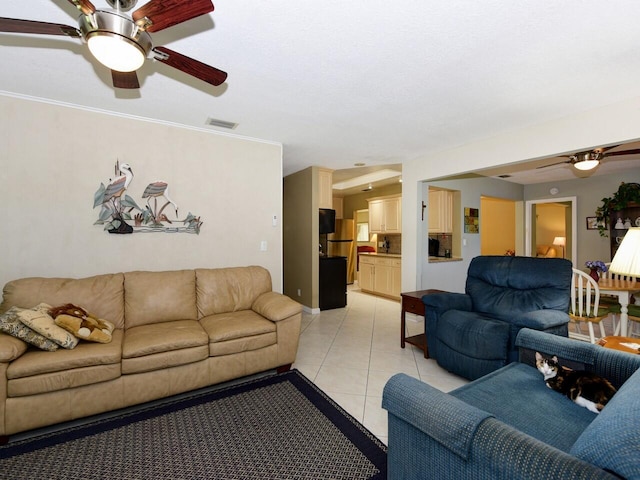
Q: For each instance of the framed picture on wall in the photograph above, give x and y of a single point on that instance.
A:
(592, 223)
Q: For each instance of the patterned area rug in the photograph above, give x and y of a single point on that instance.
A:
(278, 427)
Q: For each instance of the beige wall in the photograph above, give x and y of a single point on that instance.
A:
(301, 228)
(498, 232)
(54, 158)
(551, 222)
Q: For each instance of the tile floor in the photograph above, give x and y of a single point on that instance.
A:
(351, 352)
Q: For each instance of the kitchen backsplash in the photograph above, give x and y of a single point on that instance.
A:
(395, 243)
(445, 240)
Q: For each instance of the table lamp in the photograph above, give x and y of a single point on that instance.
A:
(626, 261)
(560, 241)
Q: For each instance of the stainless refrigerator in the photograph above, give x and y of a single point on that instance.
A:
(342, 244)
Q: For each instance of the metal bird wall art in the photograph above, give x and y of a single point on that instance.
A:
(120, 214)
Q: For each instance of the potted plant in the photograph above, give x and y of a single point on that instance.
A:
(627, 194)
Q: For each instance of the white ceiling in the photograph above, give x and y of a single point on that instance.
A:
(344, 82)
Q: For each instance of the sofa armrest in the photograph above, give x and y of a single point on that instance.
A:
(540, 319)
(442, 302)
(275, 306)
(611, 364)
(423, 422)
(447, 420)
(11, 348)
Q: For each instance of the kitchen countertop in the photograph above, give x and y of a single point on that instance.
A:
(444, 259)
(380, 254)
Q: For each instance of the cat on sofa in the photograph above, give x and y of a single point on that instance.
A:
(585, 388)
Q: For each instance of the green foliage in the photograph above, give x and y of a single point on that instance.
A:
(98, 197)
(628, 193)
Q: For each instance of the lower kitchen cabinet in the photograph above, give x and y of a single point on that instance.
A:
(380, 275)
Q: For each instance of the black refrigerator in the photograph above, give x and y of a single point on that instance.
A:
(333, 282)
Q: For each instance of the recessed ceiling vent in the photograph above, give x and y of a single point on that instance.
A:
(214, 122)
(504, 176)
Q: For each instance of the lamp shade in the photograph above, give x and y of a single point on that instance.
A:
(626, 261)
(560, 241)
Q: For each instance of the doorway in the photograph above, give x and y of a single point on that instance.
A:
(551, 223)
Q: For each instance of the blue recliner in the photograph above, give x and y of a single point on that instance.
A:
(473, 333)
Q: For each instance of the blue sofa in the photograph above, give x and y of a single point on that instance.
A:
(510, 425)
(473, 333)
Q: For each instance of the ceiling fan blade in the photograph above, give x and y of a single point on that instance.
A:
(635, 151)
(166, 13)
(190, 66)
(15, 25)
(125, 79)
(557, 163)
(85, 6)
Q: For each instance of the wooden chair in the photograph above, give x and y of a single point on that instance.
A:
(585, 306)
(611, 302)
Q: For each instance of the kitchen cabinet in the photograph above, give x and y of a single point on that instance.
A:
(385, 214)
(338, 206)
(440, 211)
(325, 188)
(380, 275)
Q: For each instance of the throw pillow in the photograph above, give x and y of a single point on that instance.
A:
(10, 323)
(82, 324)
(39, 320)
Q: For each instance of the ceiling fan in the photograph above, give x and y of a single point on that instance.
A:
(121, 42)
(590, 159)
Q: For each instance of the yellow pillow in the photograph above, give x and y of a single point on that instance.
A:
(90, 329)
(82, 324)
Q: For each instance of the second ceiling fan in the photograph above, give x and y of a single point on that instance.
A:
(122, 42)
(590, 159)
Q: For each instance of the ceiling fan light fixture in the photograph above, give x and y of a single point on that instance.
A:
(586, 164)
(115, 40)
(115, 52)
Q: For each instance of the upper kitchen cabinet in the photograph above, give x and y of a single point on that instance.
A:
(325, 187)
(440, 211)
(385, 214)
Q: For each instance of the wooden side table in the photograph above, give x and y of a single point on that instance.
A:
(615, 342)
(412, 303)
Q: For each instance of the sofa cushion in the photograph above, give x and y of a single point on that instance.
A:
(499, 284)
(38, 372)
(612, 441)
(10, 324)
(154, 297)
(163, 337)
(474, 334)
(224, 290)
(529, 406)
(163, 345)
(102, 295)
(35, 362)
(39, 320)
(238, 332)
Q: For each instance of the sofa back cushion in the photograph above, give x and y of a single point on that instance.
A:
(154, 297)
(224, 290)
(101, 295)
(504, 285)
(612, 440)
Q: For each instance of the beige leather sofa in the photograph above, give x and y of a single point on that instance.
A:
(175, 331)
